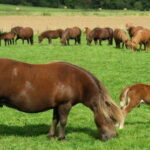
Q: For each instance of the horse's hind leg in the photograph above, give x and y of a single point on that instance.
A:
(31, 40)
(49, 41)
(79, 40)
(63, 111)
(54, 123)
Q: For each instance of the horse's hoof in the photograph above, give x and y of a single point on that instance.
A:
(50, 137)
(61, 138)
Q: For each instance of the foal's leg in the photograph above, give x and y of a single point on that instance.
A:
(63, 111)
(132, 102)
(54, 123)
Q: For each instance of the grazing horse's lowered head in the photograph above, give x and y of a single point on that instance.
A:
(35, 88)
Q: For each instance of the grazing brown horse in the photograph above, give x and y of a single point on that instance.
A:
(35, 88)
(25, 34)
(87, 31)
(71, 33)
(120, 36)
(141, 37)
(132, 30)
(50, 34)
(100, 34)
(8, 38)
(132, 96)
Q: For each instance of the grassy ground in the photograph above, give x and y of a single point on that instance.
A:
(7, 10)
(116, 68)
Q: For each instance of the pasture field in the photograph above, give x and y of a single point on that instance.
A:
(7, 10)
(116, 68)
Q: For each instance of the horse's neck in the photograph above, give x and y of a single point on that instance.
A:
(87, 32)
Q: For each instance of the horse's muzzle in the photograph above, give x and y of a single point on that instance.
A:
(107, 136)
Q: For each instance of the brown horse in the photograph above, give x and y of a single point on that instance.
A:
(8, 38)
(25, 34)
(132, 96)
(132, 30)
(50, 34)
(120, 36)
(141, 37)
(100, 34)
(87, 31)
(71, 33)
(35, 88)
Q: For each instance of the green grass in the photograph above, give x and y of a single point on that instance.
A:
(9, 10)
(116, 68)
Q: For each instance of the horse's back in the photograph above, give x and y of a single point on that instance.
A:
(26, 32)
(50, 83)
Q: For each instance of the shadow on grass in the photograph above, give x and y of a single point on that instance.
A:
(36, 130)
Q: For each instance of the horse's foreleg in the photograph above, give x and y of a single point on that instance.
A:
(16, 39)
(122, 44)
(68, 42)
(79, 40)
(95, 41)
(10, 42)
(31, 40)
(54, 123)
(5, 42)
(100, 42)
(28, 41)
(132, 102)
(63, 111)
(75, 41)
(49, 40)
(13, 41)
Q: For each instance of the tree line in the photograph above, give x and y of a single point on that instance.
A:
(85, 4)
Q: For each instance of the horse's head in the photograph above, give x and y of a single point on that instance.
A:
(106, 128)
(89, 39)
(128, 43)
(133, 45)
(63, 41)
(40, 38)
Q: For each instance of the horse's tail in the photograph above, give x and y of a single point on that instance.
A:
(108, 107)
(123, 97)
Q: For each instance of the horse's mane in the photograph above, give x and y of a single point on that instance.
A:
(123, 35)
